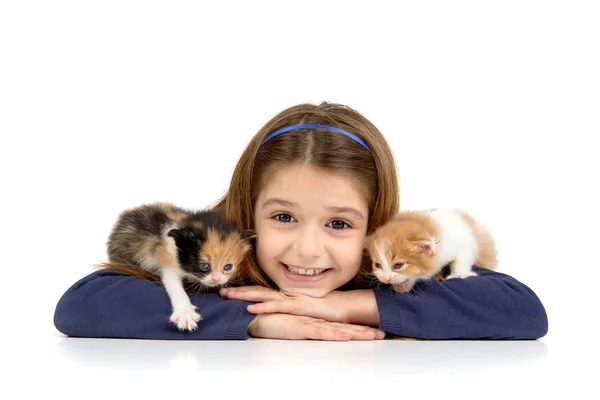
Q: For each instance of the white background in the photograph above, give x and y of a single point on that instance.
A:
(488, 106)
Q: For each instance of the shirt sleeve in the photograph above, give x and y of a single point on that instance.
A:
(107, 304)
(491, 305)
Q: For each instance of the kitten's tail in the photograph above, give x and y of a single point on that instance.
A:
(127, 269)
(487, 256)
(488, 253)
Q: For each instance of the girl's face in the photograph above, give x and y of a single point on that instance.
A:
(310, 228)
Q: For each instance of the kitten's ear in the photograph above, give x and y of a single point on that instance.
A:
(248, 234)
(428, 245)
(178, 234)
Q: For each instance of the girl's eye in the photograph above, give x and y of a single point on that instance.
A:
(377, 265)
(338, 225)
(398, 265)
(227, 267)
(204, 266)
(283, 218)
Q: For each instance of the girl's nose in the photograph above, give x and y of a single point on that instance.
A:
(309, 244)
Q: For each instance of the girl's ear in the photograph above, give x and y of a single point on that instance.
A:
(248, 234)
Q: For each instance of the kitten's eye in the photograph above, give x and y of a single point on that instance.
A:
(228, 267)
(377, 265)
(204, 266)
(398, 265)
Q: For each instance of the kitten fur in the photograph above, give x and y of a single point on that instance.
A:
(417, 245)
(164, 242)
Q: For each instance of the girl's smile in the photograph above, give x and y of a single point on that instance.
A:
(310, 227)
(300, 274)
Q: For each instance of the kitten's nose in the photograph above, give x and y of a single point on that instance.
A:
(387, 279)
(216, 278)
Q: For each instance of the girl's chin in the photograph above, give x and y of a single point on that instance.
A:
(310, 292)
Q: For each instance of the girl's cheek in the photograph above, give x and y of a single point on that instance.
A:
(269, 241)
(352, 256)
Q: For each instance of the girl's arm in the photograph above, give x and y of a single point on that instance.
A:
(490, 306)
(108, 304)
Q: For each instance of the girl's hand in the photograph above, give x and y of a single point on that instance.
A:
(293, 327)
(271, 301)
(356, 306)
(252, 293)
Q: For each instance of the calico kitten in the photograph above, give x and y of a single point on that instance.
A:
(416, 245)
(163, 240)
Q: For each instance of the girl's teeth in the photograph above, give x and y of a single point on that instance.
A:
(302, 271)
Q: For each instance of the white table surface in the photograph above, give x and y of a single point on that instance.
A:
(101, 368)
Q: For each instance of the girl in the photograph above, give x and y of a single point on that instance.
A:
(312, 183)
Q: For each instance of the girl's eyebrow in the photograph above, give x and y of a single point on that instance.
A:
(280, 202)
(336, 210)
(348, 210)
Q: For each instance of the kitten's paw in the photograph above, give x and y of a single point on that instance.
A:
(462, 275)
(186, 318)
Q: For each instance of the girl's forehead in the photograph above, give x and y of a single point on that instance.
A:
(307, 185)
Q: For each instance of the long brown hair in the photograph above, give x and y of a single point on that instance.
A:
(375, 169)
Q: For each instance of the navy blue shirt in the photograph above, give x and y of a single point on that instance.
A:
(493, 305)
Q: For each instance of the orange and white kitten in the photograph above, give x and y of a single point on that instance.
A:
(416, 245)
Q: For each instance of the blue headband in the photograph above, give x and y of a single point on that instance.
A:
(316, 126)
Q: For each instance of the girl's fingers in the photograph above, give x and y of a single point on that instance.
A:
(317, 332)
(277, 306)
(358, 335)
(246, 296)
(352, 326)
(247, 289)
(249, 294)
(335, 331)
(359, 332)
